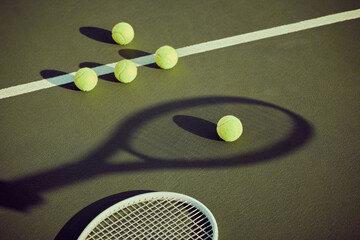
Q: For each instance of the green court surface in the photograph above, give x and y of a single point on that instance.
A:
(66, 155)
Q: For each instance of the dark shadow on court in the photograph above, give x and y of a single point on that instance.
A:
(133, 53)
(197, 126)
(98, 34)
(24, 192)
(73, 228)
(90, 64)
(56, 77)
(110, 77)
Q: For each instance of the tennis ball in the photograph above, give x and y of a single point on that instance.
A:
(229, 128)
(166, 57)
(123, 33)
(85, 79)
(125, 71)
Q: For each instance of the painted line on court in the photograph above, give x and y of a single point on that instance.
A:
(190, 50)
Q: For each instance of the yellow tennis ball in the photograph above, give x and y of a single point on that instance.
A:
(123, 33)
(85, 79)
(166, 57)
(229, 128)
(125, 71)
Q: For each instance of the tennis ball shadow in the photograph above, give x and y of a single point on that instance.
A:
(98, 34)
(110, 77)
(90, 64)
(197, 126)
(139, 55)
(73, 228)
(58, 77)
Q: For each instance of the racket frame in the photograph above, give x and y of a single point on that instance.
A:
(146, 197)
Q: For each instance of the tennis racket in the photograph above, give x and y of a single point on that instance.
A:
(155, 215)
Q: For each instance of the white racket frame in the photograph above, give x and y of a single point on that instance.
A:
(148, 196)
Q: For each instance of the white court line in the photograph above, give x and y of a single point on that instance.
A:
(190, 50)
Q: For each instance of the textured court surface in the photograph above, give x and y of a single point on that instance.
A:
(66, 155)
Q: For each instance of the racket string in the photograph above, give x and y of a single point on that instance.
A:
(184, 223)
(176, 224)
(151, 218)
(124, 212)
(155, 219)
(102, 227)
(157, 226)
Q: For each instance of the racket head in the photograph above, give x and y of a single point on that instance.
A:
(154, 215)
(155, 135)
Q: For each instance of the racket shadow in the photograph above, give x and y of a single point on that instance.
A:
(73, 228)
(20, 194)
